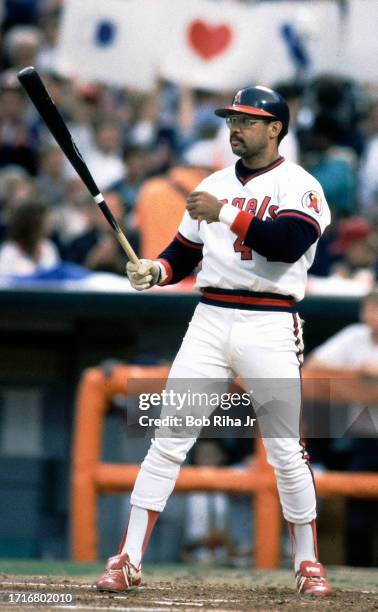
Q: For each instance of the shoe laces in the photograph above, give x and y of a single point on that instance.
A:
(316, 579)
(310, 580)
(113, 572)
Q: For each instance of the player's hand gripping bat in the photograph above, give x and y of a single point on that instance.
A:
(37, 92)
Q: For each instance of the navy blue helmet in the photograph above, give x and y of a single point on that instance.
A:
(259, 101)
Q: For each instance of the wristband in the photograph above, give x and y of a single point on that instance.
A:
(162, 272)
(228, 214)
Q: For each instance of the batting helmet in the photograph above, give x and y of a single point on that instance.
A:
(260, 102)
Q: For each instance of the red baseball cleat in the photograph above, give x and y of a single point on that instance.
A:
(120, 575)
(311, 579)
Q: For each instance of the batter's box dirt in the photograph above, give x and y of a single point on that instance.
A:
(200, 589)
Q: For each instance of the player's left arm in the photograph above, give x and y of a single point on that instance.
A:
(302, 217)
(283, 240)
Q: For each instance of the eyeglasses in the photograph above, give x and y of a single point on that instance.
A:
(242, 121)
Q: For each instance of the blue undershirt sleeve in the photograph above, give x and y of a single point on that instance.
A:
(183, 256)
(284, 240)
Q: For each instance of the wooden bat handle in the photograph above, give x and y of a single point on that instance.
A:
(99, 199)
(127, 247)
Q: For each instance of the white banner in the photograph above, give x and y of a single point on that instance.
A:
(108, 41)
(360, 41)
(219, 45)
(225, 45)
(296, 38)
(209, 44)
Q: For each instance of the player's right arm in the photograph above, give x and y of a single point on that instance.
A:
(177, 261)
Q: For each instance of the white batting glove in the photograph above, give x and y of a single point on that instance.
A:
(143, 275)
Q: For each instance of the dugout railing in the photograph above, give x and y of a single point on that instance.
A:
(91, 477)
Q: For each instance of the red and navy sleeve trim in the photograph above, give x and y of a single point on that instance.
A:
(169, 271)
(180, 258)
(298, 214)
(241, 224)
(188, 243)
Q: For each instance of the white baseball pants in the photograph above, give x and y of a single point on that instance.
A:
(264, 349)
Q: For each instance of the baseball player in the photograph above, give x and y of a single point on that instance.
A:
(254, 226)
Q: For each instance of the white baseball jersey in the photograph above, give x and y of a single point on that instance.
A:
(282, 189)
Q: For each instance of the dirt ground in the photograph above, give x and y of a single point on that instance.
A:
(192, 589)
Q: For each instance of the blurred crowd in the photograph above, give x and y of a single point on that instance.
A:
(148, 151)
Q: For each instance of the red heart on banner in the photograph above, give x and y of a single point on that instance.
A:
(207, 40)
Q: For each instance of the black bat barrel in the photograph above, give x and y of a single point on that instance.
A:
(37, 92)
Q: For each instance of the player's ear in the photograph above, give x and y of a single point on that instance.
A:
(275, 128)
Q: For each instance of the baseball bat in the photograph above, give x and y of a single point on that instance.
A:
(37, 92)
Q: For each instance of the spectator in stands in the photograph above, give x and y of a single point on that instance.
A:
(49, 25)
(105, 160)
(223, 155)
(97, 248)
(357, 247)
(368, 176)
(325, 257)
(51, 179)
(355, 350)
(199, 128)
(339, 98)
(164, 150)
(82, 117)
(17, 143)
(334, 165)
(27, 248)
(16, 186)
(136, 160)
(203, 148)
(292, 91)
(161, 204)
(70, 221)
(19, 12)
(21, 45)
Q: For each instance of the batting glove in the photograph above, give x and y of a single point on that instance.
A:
(143, 275)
